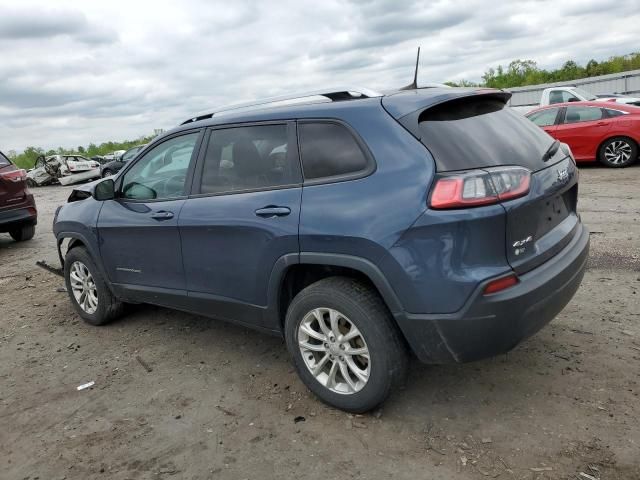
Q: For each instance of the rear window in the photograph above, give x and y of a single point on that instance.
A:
(3, 160)
(329, 150)
(478, 132)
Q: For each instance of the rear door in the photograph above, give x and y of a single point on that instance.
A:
(478, 132)
(242, 218)
(583, 128)
(139, 239)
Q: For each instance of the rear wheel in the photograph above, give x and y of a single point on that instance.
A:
(88, 292)
(31, 183)
(344, 344)
(618, 152)
(23, 233)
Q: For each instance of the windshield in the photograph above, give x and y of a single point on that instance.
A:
(583, 93)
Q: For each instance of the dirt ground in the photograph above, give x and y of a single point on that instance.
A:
(219, 401)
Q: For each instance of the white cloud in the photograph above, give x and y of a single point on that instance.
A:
(85, 72)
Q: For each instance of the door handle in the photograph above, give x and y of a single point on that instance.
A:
(271, 211)
(601, 123)
(162, 215)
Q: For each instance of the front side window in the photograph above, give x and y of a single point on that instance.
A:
(545, 118)
(162, 171)
(4, 160)
(330, 150)
(249, 158)
(130, 154)
(582, 114)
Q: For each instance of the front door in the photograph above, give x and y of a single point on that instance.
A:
(139, 239)
(241, 220)
(583, 129)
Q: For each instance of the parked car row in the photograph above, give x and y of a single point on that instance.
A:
(559, 94)
(62, 169)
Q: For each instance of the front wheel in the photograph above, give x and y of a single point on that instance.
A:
(88, 292)
(107, 173)
(31, 183)
(345, 345)
(618, 152)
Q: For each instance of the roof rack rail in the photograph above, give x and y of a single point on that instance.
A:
(326, 95)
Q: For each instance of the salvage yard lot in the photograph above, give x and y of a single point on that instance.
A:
(180, 396)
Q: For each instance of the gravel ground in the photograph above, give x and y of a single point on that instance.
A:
(213, 400)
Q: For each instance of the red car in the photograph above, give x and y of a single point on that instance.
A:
(604, 131)
(18, 214)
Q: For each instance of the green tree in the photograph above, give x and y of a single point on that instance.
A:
(526, 72)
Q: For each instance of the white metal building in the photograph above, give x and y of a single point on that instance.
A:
(624, 82)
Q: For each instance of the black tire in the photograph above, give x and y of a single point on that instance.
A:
(107, 173)
(623, 145)
(365, 310)
(108, 308)
(23, 233)
(31, 183)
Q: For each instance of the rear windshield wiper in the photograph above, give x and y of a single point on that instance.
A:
(551, 151)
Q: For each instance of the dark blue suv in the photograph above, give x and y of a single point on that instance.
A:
(359, 226)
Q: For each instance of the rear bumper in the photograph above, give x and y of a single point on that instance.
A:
(18, 217)
(492, 324)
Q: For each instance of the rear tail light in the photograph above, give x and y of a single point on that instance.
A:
(14, 175)
(500, 284)
(480, 187)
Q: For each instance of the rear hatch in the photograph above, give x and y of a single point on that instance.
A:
(12, 184)
(475, 131)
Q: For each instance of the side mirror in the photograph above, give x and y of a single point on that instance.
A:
(105, 190)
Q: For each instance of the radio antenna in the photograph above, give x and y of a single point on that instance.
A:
(414, 85)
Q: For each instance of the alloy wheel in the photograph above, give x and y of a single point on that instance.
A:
(618, 152)
(83, 287)
(334, 351)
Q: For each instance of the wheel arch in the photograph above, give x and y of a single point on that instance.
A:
(75, 240)
(294, 272)
(611, 136)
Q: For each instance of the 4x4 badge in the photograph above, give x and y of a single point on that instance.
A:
(520, 245)
(562, 175)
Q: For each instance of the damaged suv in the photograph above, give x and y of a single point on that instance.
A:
(359, 226)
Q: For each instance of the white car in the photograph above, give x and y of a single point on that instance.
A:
(63, 169)
(113, 155)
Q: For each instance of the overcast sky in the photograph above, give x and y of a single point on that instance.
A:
(74, 72)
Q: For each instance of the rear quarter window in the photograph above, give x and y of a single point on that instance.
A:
(330, 151)
(478, 132)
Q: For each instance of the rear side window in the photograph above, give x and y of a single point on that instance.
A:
(249, 158)
(478, 132)
(545, 118)
(613, 113)
(3, 160)
(582, 114)
(329, 150)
